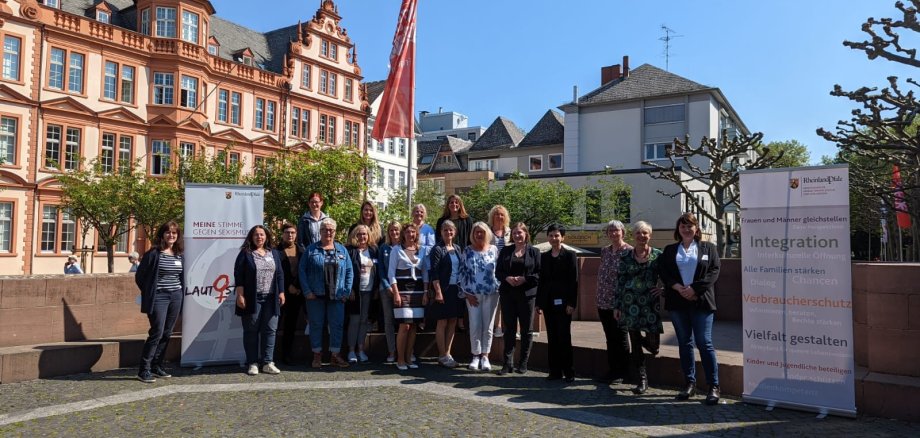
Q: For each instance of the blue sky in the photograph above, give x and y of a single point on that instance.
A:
(776, 61)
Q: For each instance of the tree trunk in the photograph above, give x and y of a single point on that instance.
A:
(110, 257)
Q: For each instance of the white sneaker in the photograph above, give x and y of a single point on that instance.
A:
(270, 368)
(253, 369)
(484, 364)
(352, 357)
(391, 359)
(474, 364)
(413, 366)
(363, 357)
(401, 367)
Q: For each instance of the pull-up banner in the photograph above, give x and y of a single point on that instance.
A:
(217, 219)
(797, 289)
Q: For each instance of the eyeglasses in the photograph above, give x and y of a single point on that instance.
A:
(328, 230)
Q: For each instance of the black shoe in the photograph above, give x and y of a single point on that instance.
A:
(569, 379)
(521, 369)
(713, 397)
(641, 387)
(690, 391)
(160, 372)
(554, 376)
(505, 370)
(146, 377)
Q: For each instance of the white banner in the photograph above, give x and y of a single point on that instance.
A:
(217, 219)
(797, 289)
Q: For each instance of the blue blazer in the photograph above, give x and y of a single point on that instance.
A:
(146, 278)
(312, 278)
(244, 274)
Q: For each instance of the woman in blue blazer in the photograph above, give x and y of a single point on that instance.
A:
(259, 282)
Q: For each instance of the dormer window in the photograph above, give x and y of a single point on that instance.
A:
(213, 46)
(212, 49)
(103, 17)
(50, 3)
(244, 56)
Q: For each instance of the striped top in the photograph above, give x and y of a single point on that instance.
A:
(169, 271)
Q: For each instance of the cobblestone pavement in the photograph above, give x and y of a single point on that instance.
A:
(376, 400)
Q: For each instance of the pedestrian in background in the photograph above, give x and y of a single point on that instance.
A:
(689, 270)
(161, 281)
(326, 278)
(72, 266)
(518, 270)
(134, 259)
(557, 298)
(479, 287)
(259, 281)
(617, 337)
(636, 305)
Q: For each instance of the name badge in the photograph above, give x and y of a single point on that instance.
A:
(705, 257)
(557, 302)
(178, 263)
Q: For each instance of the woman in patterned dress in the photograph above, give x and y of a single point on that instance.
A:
(617, 338)
(636, 304)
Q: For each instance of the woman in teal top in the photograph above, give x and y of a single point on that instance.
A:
(636, 304)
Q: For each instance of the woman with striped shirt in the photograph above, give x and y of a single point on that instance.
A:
(161, 281)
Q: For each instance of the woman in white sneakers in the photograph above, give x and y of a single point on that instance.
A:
(479, 287)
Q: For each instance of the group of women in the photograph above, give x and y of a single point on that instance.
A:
(461, 270)
(631, 280)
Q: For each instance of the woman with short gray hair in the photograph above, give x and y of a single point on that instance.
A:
(617, 338)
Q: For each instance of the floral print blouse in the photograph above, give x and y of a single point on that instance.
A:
(639, 309)
(607, 275)
(477, 271)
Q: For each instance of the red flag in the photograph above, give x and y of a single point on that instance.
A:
(395, 118)
(900, 205)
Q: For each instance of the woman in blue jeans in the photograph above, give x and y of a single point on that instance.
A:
(259, 281)
(689, 270)
(161, 281)
(326, 279)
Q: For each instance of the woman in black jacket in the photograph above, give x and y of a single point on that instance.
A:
(518, 270)
(259, 282)
(557, 297)
(365, 262)
(293, 307)
(689, 270)
(162, 283)
(444, 275)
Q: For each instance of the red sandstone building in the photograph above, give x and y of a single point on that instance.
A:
(152, 80)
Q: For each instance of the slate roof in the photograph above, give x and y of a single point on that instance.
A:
(374, 90)
(268, 48)
(643, 82)
(455, 145)
(550, 130)
(502, 134)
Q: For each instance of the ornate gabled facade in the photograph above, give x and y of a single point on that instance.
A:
(153, 80)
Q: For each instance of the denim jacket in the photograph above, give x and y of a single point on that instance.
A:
(311, 271)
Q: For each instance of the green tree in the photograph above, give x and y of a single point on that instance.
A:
(156, 201)
(715, 163)
(102, 200)
(426, 193)
(794, 154)
(882, 129)
(290, 176)
(536, 203)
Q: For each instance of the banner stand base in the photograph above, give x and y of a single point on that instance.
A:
(822, 411)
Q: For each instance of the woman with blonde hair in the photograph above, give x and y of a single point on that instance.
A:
(479, 287)
(500, 223)
(390, 239)
(426, 234)
(369, 219)
(365, 262)
(408, 274)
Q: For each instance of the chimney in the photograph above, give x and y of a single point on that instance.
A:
(575, 94)
(625, 66)
(610, 73)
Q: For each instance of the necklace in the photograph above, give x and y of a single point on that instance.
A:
(643, 257)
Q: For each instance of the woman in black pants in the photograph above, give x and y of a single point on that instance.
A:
(607, 273)
(518, 270)
(161, 281)
(293, 307)
(557, 297)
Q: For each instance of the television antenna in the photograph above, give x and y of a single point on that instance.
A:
(669, 34)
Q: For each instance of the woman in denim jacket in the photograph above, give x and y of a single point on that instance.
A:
(326, 278)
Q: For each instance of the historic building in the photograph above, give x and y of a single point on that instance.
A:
(153, 80)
